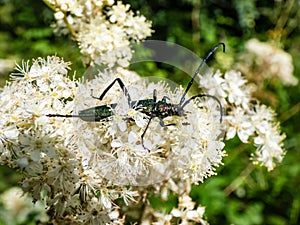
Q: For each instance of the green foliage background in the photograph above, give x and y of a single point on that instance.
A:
(242, 193)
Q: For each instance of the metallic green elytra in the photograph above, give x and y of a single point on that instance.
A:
(96, 114)
(150, 107)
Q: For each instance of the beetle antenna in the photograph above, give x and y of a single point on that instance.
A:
(198, 70)
(210, 96)
(61, 115)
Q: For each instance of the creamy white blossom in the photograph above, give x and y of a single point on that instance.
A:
(240, 124)
(246, 117)
(187, 213)
(268, 61)
(72, 161)
(269, 139)
(103, 29)
(184, 214)
(17, 207)
(46, 150)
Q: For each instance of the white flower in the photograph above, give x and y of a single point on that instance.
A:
(268, 139)
(187, 213)
(103, 30)
(59, 15)
(231, 88)
(247, 121)
(272, 60)
(14, 199)
(213, 85)
(236, 89)
(239, 123)
(9, 133)
(17, 205)
(43, 148)
(162, 219)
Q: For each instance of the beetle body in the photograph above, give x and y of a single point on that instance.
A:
(160, 109)
(150, 107)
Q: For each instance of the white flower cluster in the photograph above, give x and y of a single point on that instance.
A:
(81, 168)
(192, 147)
(185, 214)
(273, 61)
(46, 150)
(17, 207)
(102, 28)
(247, 118)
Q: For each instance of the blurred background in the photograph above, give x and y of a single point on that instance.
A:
(242, 193)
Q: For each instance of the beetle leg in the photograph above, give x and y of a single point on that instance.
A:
(143, 134)
(124, 89)
(154, 95)
(161, 122)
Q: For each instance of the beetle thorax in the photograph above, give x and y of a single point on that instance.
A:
(163, 109)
